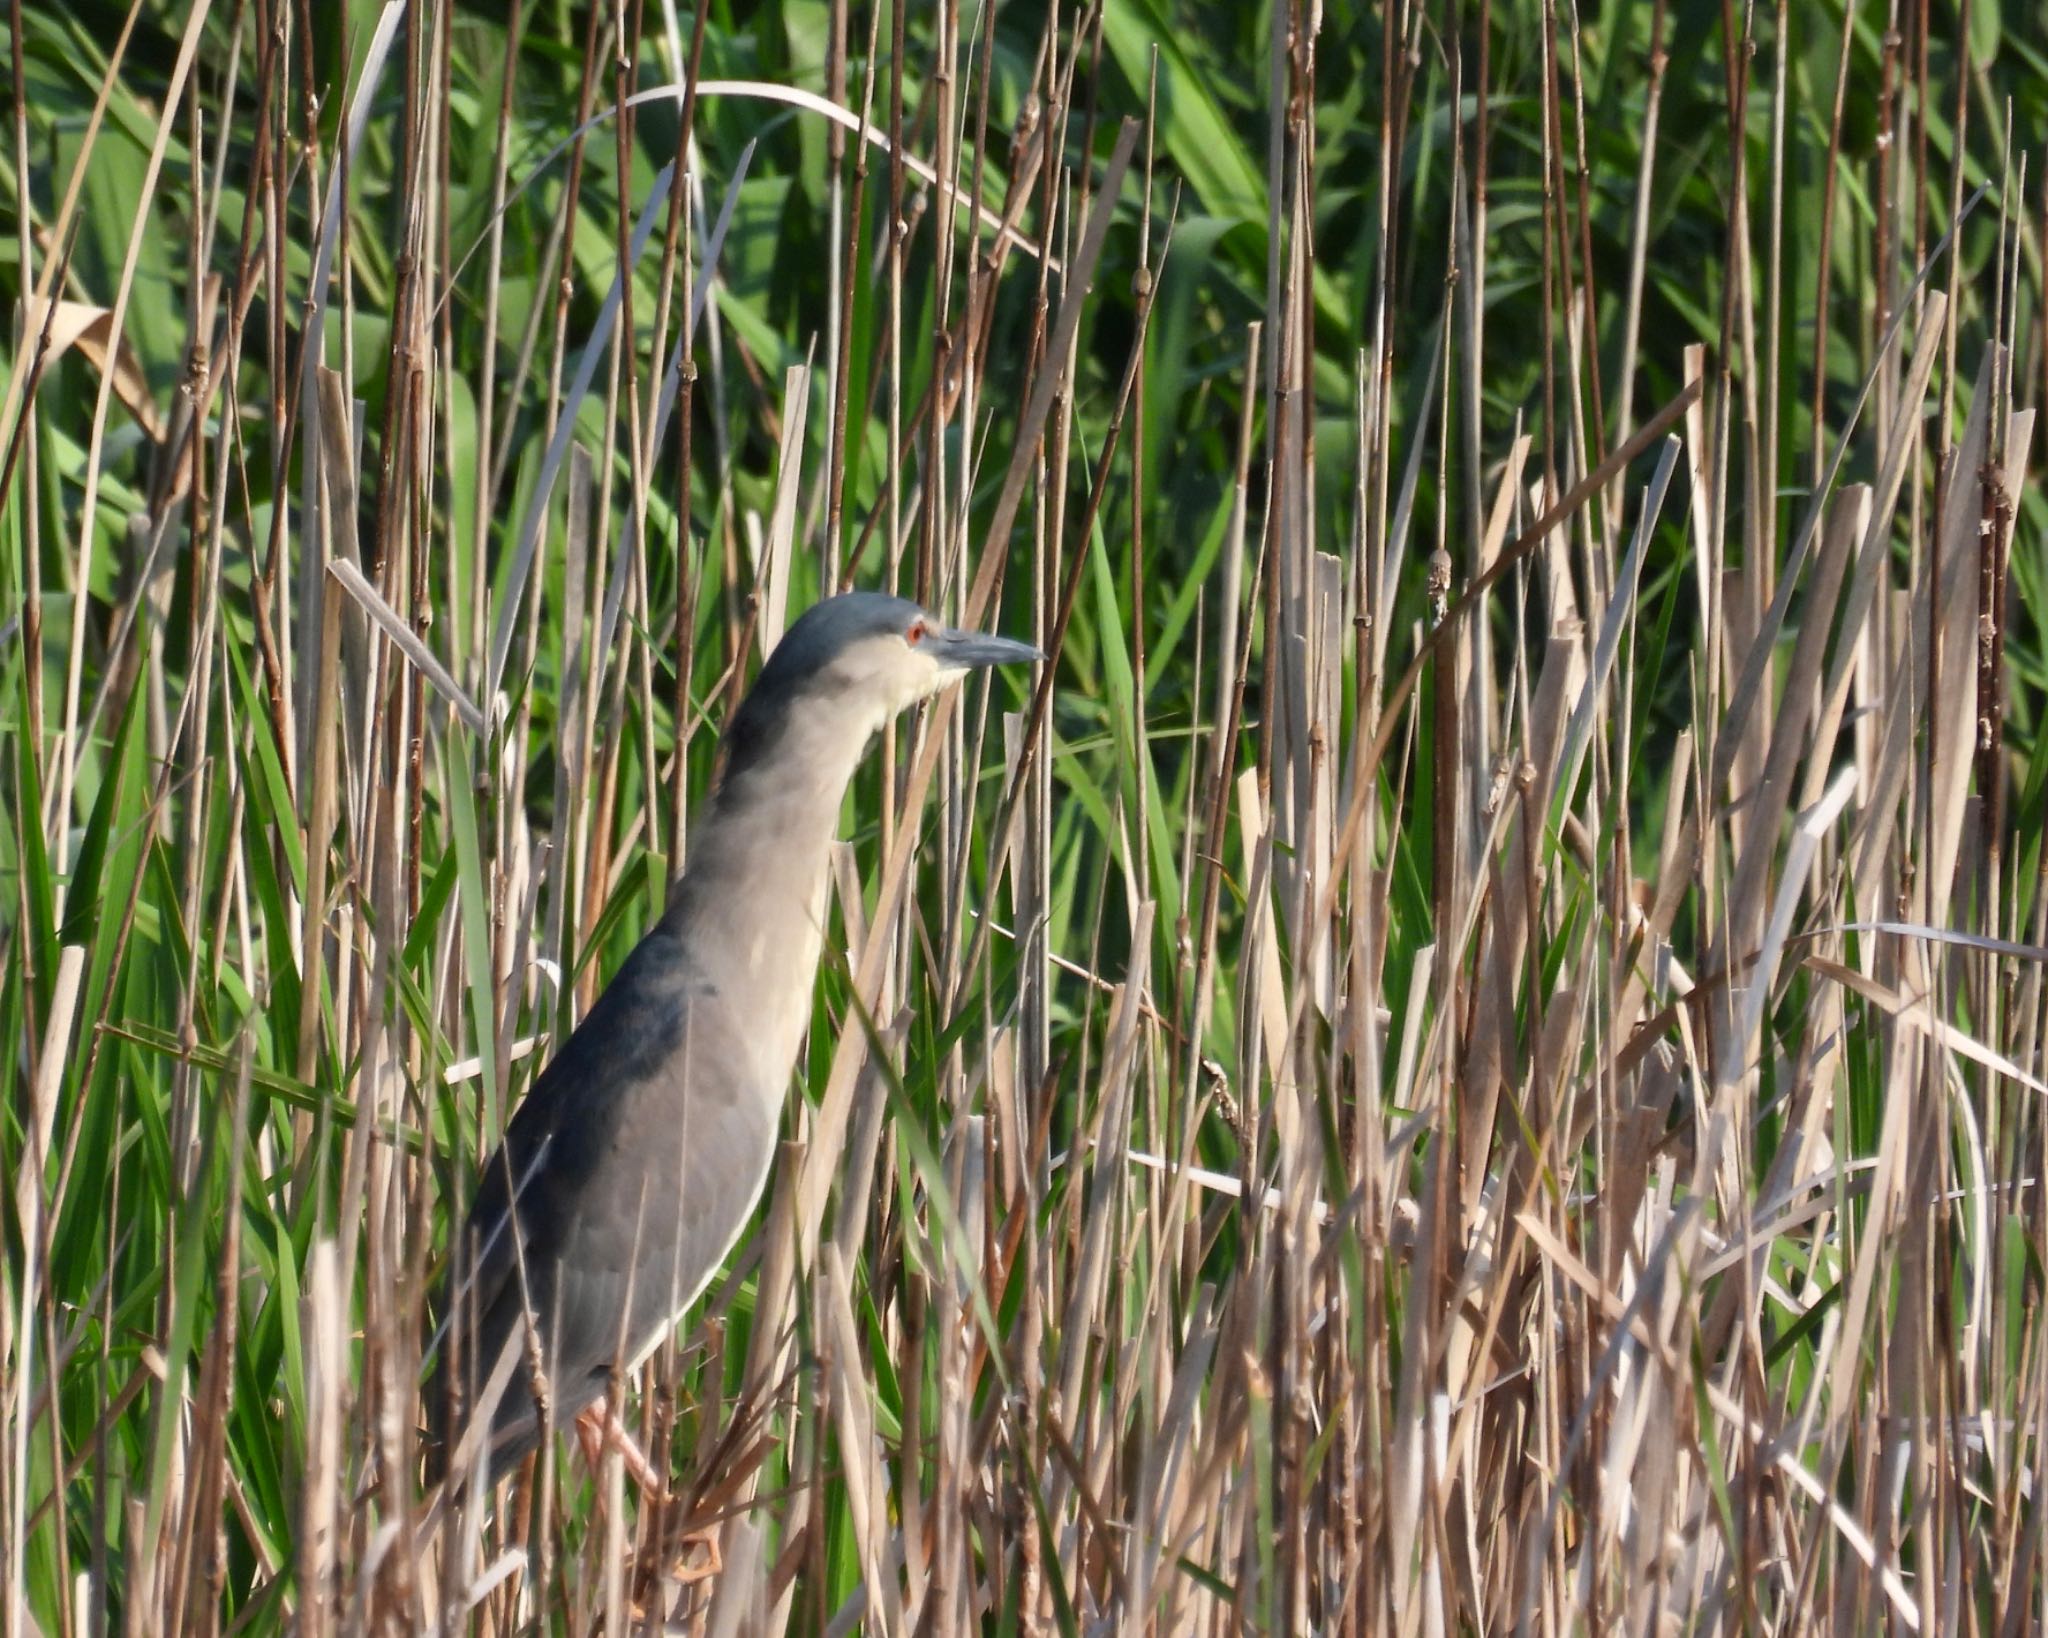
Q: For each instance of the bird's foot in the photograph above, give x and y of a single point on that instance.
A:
(685, 1573)
(671, 1572)
(600, 1426)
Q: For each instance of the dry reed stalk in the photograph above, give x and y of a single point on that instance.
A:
(1569, 1158)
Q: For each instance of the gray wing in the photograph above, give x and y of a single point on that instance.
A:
(622, 1181)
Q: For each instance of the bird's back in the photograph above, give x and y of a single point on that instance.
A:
(634, 1161)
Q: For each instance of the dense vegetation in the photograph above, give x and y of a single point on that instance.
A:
(1469, 1053)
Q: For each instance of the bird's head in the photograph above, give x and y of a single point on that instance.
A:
(850, 663)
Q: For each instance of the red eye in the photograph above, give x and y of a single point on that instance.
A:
(915, 634)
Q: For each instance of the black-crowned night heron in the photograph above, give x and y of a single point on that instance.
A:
(629, 1170)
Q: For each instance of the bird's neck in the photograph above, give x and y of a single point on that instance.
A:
(750, 908)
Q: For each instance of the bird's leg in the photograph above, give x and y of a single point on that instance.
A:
(599, 1426)
(686, 1575)
(590, 1435)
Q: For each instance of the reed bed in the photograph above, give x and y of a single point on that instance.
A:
(1466, 1056)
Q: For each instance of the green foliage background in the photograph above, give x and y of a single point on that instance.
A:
(198, 1093)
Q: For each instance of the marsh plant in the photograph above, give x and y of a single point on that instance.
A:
(1471, 1056)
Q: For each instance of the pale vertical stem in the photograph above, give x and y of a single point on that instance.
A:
(30, 1204)
(508, 811)
(473, 608)
(1774, 296)
(894, 230)
(941, 556)
(1141, 821)
(571, 806)
(1639, 232)
(1824, 255)
(67, 753)
(29, 476)
(838, 267)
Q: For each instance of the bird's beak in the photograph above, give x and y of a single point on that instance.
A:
(969, 650)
